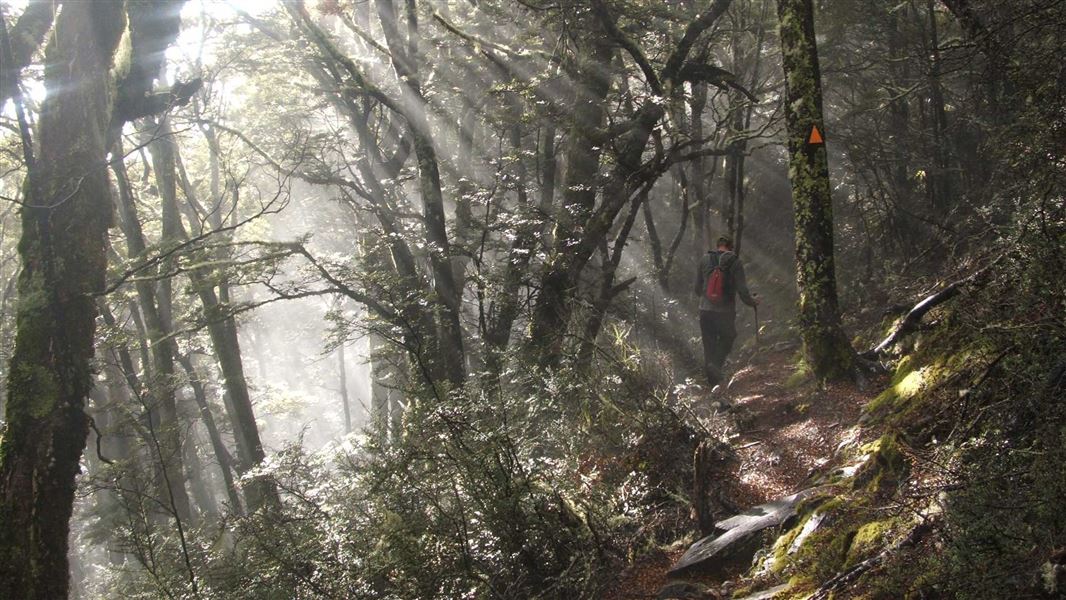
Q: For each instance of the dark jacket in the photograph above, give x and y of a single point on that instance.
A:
(737, 284)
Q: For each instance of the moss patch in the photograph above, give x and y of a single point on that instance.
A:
(868, 540)
(801, 373)
(886, 468)
(806, 509)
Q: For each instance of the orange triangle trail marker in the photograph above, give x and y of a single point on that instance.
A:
(815, 137)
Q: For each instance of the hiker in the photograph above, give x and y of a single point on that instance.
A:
(719, 280)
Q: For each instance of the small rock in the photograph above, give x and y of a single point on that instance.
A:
(769, 594)
(685, 590)
(1054, 577)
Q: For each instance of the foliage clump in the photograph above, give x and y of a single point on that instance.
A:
(521, 494)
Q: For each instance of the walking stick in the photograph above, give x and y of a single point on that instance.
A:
(756, 309)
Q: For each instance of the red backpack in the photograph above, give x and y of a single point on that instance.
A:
(716, 281)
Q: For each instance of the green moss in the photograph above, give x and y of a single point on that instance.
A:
(885, 469)
(914, 377)
(783, 543)
(744, 590)
(804, 512)
(799, 377)
(824, 553)
(868, 539)
(45, 388)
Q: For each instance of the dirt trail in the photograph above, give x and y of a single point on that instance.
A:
(783, 435)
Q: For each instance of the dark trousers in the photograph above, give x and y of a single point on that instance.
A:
(719, 330)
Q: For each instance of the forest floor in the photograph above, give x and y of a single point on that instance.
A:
(782, 434)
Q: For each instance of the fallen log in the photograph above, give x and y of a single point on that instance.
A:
(737, 538)
(914, 316)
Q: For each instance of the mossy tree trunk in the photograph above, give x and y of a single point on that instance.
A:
(64, 259)
(507, 298)
(551, 313)
(827, 349)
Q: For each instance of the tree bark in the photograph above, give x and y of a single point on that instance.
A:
(582, 166)
(698, 175)
(342, 375)
(939, 179)
(827, 349)
(506, 300)
(64, 260)
(223, 333)
(405, 64)
(163, 409)
(222, 455)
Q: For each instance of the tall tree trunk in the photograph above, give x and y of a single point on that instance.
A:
(386, 401)
(698, 175)
(222, 455)
(342, 375)
(506, 300)
(64, 260)
(547, 181)
(405, 63)
(198, 485)
(115, 445)
(940, 185)
(163, 408)
(552, 310)
(828, 351)
(222, 330)
(223, 333)
(608, 290)
(900, 116)
(379, 394)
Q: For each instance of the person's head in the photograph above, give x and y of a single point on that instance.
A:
(725, 243)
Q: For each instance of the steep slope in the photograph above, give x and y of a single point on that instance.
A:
(945, 483)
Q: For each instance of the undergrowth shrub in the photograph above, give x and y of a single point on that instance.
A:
(538, 490)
